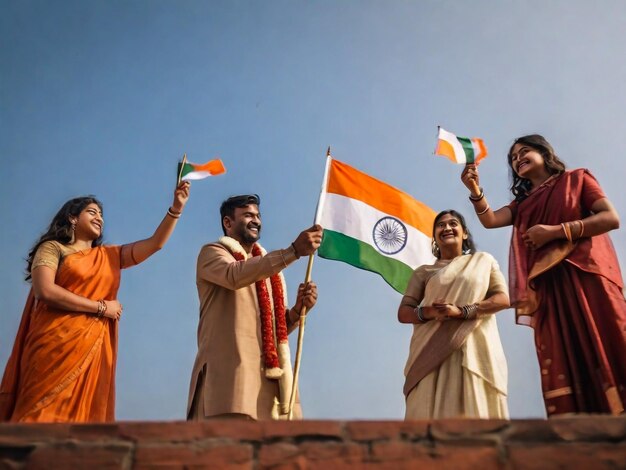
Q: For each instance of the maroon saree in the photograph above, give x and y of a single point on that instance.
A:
(571, 294)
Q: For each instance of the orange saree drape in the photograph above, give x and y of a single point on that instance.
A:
(62, 368)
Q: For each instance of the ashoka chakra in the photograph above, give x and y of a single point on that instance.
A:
(389, 235)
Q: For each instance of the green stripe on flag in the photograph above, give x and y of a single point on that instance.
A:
(468, 148)
(187, 168)
(337, 246)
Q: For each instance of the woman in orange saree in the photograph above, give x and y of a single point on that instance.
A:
(62, 367)
(564, 277)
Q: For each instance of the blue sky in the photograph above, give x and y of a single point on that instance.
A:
(103, 98)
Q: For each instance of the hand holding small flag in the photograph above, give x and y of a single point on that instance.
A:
(181, 195)
(470, 179)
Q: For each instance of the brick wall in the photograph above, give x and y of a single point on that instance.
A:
(590, 442)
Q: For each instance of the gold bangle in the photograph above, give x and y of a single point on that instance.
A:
(582, 228)
(102, 308)
(567, 231)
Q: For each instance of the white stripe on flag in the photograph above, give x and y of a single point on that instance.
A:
(459, 153)
(357, 219)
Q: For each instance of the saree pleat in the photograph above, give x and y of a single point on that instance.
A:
(577, 342)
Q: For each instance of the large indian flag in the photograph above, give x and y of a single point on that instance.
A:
(374, 226)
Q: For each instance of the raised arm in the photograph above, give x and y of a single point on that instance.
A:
(216, 264)
(487, 216)
(58, 297)
(139, 251)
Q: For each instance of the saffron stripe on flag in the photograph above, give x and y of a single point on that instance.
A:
(347, 181)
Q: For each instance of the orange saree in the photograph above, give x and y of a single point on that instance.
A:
(62, 367)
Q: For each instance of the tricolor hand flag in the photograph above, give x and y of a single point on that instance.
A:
(463, 150)
(195, 171)
(374, 226)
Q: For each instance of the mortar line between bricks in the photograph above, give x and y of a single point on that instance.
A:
(133, 452)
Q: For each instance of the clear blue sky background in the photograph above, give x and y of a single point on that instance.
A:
(103, 97)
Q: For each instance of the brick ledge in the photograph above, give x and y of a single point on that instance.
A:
(590, 441)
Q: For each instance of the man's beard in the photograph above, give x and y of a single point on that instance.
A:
(246, 237)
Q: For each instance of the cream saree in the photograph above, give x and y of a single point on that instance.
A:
(456, 368)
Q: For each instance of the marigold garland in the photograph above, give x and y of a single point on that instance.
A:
(271, 319)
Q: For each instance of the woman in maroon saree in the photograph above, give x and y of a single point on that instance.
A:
(564, 277)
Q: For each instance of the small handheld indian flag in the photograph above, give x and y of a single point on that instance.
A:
(463, 150)
(198, 171)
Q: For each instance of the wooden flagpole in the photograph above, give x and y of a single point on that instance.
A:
(180, 170)
(307, 278)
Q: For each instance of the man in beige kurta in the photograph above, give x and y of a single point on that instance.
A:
(228, 377)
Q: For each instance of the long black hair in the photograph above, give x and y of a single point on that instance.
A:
(553, 164)
(60, 228)
(468, 246)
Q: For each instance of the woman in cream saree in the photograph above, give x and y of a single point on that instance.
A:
(456, 365)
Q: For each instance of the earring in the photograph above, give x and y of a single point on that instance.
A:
(435, 249)
(73, 229)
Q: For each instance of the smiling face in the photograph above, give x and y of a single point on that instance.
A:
(449, 236)
(89, 223)
(526, 161)
(245, 224)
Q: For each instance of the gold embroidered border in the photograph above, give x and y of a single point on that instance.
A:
(557, 392)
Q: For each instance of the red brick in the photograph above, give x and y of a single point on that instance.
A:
(590, 428)
(530, 431)
(278, 453)
(78, 456)
(467, 428)
(471, 457)
(30, 432)
(328, 429)
(98, 432)
(338, 451)
(340, 465)
(214, 454)
(597, 456)
(182, 431)
(397, 450)
(377, 430)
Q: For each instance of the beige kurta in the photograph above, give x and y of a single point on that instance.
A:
(471, 380)
(228, 374)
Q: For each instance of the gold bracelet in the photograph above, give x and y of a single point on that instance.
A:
(567, 230)
(102, 308)
(580, 224)
(582, 228)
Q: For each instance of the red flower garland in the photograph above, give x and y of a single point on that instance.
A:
(270, 354)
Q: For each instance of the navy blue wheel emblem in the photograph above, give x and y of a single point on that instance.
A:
(389, 235)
